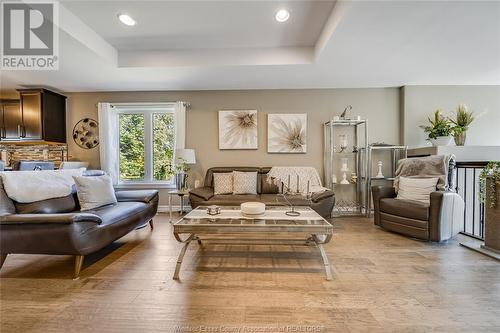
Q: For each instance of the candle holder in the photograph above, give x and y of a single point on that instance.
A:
(286, 191)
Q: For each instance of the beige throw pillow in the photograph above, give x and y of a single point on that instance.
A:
(416, 189)
(244, 182)
(223, 183)
(94, 191)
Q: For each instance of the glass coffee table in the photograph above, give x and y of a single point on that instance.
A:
(232, 227)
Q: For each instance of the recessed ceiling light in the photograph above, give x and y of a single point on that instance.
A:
(126, 19)
(282, 15)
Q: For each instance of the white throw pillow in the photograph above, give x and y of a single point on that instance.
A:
(223, 183)
(95, 191)
(416, 189)
(244, 182)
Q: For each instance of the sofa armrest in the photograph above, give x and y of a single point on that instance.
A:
(446, 215)
(380, 192)
(136, 196)
(49, 218)
(203, 192)
(319, 196)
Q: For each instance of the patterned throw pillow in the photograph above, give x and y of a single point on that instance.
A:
(223, 183)
(244, 182)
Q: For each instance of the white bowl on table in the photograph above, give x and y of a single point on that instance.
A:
(253, 209)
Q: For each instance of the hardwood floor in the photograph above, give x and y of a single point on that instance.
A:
(383, 282)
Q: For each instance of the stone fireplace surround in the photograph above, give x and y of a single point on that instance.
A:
(39, 151)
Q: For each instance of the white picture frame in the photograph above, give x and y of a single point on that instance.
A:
(287, 133)
(238, 129)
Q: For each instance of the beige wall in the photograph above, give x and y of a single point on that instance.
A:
(380, 106)
(421, 101)
(393, 114)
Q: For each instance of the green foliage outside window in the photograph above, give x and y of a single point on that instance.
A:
(163, 145)
(131, 147)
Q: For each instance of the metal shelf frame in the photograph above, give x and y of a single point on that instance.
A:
(397, 152)
(352, 198)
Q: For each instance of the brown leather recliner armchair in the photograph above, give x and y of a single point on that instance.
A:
(437, 221)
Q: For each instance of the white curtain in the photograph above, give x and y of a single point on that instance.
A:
(180, 125)
(108, 140)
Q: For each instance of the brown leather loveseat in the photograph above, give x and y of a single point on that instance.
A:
(267, 193)
(57, 226)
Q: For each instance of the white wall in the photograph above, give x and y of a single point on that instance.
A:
(419, 102)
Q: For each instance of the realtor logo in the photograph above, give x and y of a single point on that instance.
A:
(30, 36)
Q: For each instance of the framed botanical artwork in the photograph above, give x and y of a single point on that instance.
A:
(287, 133)
(238, 129)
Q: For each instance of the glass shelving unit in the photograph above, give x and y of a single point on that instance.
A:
(345, 165)
(389, 155)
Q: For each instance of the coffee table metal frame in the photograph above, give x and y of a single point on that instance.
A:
(319, 234)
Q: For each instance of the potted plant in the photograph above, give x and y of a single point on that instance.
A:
(463, 118)
(488, 189)
(489, 183)
(181, 169)
(439, 131)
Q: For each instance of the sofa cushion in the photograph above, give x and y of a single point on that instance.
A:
(111, 214)
(94, 192)
(223, 183)
(65, 204)
(405, 208)
(244, 182)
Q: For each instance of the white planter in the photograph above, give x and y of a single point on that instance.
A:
(441, 141)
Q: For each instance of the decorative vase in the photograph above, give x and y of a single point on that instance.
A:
(180, 181)
(460, 138)
(441, 141)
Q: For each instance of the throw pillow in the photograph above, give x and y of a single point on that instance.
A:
(244, 182)
(417, 189)
(223, 183)
(94, 192)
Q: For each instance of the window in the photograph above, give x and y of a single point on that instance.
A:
(146, 143)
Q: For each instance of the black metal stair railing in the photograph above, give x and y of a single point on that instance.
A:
(467, 186)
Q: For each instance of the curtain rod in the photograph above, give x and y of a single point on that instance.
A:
(186, 104)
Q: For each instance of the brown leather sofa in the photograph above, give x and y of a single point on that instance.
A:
(267, 193)
(57, 226)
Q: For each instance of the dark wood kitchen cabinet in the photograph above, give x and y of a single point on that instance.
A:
(43, 115)
(10, 118)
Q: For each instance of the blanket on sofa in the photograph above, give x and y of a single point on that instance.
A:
(435, 166)
(31, 186)
(281, 175)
